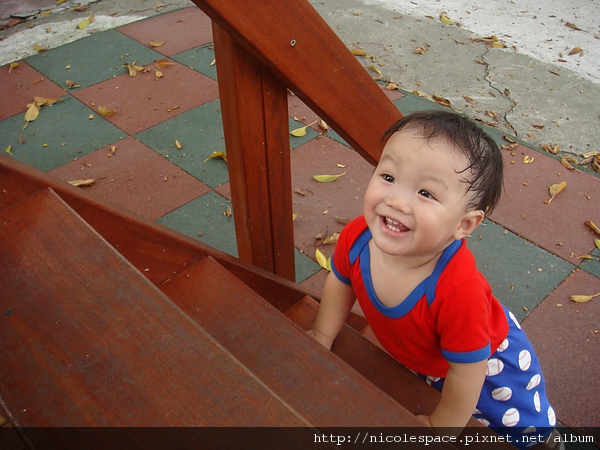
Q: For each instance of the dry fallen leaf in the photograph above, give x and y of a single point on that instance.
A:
(156, 44)
(103, 110)
(12, 66)
(38, 48)
(573, 26)
(444, 18)
(375, 69)
(583, 298)
(44, 101)
(359, 52)
(331, 239)
(556, 189)
(327, 178)
(32, 113)
(528, 159)
(441, 100)
(134, 69)
(8, 150)
(576, 51)
(178, 144)
(71, 84)
(82, 182)
(592, 226)
(299, 132)
(158, 74)
(217, 155)
(86, 22)
(324, 262)
(162, 63)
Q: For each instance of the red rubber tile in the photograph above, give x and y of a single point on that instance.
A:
(21, 85)
(567, 341)
(557, 226)
(144, 100)
(178, 31)
(136, 178)
(321, 203)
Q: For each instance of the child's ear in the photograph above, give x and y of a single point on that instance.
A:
(469, 222)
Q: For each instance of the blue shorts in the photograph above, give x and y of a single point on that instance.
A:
(513, 399)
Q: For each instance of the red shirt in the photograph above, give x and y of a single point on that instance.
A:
(451, 316)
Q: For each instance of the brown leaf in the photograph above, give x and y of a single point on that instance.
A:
(162, 63)
(575, 51)
(441, 100)
(38, 48)
(12, 66)
(358, 52)
(156, 44)
(32, 113)
(551, 148)
(44, 101)
(82, 182)
(573, 26)
(566, 162)
(71, 84)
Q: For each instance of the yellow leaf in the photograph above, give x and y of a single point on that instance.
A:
(106, 111)
(592, 226)
(217, 155)
(583, 298)
(32, 112)
(178, 144)
(38, 48)
(294, 216)
(58, 2)
(323, 261)
(156, 44)
(332, 239)
(327, 178)
(158, 74)
(12, 66)
(133, 69)
(299, 132)
(556, 189)
(44, 101)
(359, 52)
(71, 84)
(444, 18)
(375, 69)
(528, 159)
(9, 150)
(597, 241)
(86, 22)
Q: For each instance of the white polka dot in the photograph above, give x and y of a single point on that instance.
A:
(551, 416)
(494, 367)
(536, 401)
(534, 382)
(502, 394)
(514, 319)
(484, 422)
(532, 444)
(503, 346)
(529, 430)
(511, 417)
(476, 411)
(524, 360)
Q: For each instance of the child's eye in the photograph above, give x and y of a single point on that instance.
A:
(388, 178)
(426, 194)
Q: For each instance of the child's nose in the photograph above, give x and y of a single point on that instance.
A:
(399, 201)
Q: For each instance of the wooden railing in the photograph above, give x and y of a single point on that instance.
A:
(262, 49)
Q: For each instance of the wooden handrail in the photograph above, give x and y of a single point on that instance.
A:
(291, 43)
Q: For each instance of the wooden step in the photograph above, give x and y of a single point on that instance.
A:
(324, 390)
(87, 340)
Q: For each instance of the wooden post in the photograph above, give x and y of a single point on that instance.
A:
(255, 123)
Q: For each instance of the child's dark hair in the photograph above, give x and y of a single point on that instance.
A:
(483, 154)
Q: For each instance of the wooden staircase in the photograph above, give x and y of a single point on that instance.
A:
(99, 330)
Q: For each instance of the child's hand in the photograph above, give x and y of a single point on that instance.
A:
(425, 419)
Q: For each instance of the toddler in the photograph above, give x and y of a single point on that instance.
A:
(407, 262)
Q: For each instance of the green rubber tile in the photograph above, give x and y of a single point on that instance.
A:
(521, 274)
(592, 265)
(410, 103)
(200, 131)
(61, 133)
(201, 59)
(92, 59)
(206, 219)
(297, 141)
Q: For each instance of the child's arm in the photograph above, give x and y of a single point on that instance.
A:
(460, 395)
(336, 302)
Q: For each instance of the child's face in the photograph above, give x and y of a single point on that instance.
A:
(415, 203)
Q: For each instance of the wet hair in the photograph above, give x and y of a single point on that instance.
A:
(485, 169)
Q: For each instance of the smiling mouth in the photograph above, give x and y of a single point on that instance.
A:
(395, 226)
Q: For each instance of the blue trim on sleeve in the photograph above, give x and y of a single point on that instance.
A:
(340, 277)
(467, 357)
(358, 245)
